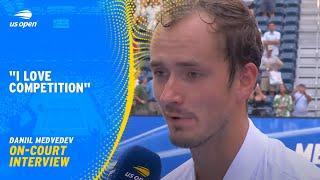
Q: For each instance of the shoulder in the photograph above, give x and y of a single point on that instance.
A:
(183, 172)
(277, 96)
(264, 58)
(284, 163)
(288, 96)
(139, 88)
(298, 94)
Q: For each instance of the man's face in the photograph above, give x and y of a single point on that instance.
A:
(272, 27)
(191, 81)
(301, 88)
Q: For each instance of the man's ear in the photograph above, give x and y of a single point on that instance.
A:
(247, 81)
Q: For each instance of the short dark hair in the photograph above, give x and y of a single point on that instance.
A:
(231, 18)
(270, 22)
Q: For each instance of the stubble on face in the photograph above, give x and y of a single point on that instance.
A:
(195, 141)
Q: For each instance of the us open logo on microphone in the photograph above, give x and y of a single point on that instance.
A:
(25, 15)
(143, 172)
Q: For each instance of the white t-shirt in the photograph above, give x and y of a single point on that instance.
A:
(271, 63)
(271, 36)
(301, 105)
(259, 158)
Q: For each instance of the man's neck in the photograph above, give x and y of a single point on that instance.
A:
(213, 158)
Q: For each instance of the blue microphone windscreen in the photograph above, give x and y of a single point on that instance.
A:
(137, 163)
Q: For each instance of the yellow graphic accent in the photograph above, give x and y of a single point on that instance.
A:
(145, 172)
(131, 85)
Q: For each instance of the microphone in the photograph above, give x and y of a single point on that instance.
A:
(137, 163)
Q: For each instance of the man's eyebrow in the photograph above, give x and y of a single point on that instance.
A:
(190, 63)
(154, 64)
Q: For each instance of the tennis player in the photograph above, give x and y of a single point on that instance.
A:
(205, 56)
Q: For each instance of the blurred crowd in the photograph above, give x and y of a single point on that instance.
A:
(146, 12)
(271, 97)
(144, 102)
(280, 104)
(271, 90)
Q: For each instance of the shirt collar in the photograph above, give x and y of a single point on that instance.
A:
(249, 155)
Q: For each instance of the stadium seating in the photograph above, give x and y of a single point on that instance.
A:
(292, 11)
(289, 38)
(277, 20)
(262, 20)
(288, 67)
(279, 28)
(291, 20)
(279, 11)
(288, 47)
(286, 19)
(288, 77)
(258, 11)
(280, 3)
(290, 29)
(288, 57)
(292, 3)
(287, 15)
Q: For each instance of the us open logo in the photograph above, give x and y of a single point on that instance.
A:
(25, 16)
(142, 171)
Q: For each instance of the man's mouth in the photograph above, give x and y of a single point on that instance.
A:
(174, 117)
(180, 120)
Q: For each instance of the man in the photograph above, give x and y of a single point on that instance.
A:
(271, 39)
(301, 100)
(204, 58)
(140, 106)
(152, 103)
(269, 64)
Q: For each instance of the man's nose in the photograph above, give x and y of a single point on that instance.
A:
(172, 92)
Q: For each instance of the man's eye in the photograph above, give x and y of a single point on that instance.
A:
(158, 73)
(193, 75)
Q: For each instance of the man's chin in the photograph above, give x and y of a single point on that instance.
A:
(179, 143)
(187, 138)
(183, 141)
